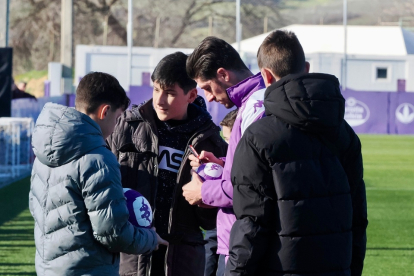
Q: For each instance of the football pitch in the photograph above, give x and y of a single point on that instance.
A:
(389, 178)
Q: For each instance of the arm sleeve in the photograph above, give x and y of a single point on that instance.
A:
(254, 203)
(217, 192)
(351, 160)
(208, 216)
(104, 199)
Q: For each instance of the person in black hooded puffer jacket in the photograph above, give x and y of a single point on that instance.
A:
(299, 194)
(151, 143)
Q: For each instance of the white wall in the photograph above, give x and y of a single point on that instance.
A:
(55, 76)
(361, 70)
(325, 63)
(114, 60)
(362, 74)
(409, 73)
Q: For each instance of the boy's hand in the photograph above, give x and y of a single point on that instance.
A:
(194, 162)
(205, 157)
(192, 190)
(159, 240)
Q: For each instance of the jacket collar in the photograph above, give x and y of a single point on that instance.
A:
(145, 112)
(237, 93)
(140, 112)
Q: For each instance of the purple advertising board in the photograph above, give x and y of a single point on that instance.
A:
(367, 112)
(28, 107)
(146, 79)
(401, 85)
(47, 88)
(139, 94)
(401, 112)
(71, 100)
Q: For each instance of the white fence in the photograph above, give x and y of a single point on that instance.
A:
(16, 155)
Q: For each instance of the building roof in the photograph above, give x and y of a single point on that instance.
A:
(361, 40)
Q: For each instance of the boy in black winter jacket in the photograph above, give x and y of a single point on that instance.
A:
(299, 194)
(151, 144)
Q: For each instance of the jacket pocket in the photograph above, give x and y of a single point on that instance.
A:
(134, 171)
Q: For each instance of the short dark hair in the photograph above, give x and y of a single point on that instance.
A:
(171, 70)
(213, 53)
(228, 120)
(282, 53)
(98, 88)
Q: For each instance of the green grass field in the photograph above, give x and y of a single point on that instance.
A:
(17, 249)
(389, 177)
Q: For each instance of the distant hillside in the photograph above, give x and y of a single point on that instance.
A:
(360, 12)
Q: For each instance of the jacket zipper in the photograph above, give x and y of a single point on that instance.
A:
(155, 158)
(185, 157)
(210, 125)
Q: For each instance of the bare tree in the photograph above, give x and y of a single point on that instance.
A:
(102, 9)
(35, 24)
(35, 29)
(34, 33)
(185, 22)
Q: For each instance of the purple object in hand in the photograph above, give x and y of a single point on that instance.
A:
(210, 171)
(140, 213)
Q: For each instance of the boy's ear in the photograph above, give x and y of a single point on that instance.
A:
(103, 111)
(192, 95)
(267, 76)
(307, 67)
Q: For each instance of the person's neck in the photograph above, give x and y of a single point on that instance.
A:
(242, 75)
(93, 116)
(177, 122)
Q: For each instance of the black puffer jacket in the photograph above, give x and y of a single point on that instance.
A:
(135, 143)
(299, 194)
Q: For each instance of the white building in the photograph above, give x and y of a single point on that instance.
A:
(378, 57)
(114, 60)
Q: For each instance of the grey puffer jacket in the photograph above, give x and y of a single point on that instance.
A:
(76, 199)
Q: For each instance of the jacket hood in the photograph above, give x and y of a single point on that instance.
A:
(237, 93)
(63, 134)
(312, 102)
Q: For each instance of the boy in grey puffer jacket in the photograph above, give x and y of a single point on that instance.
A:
(76, 197)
